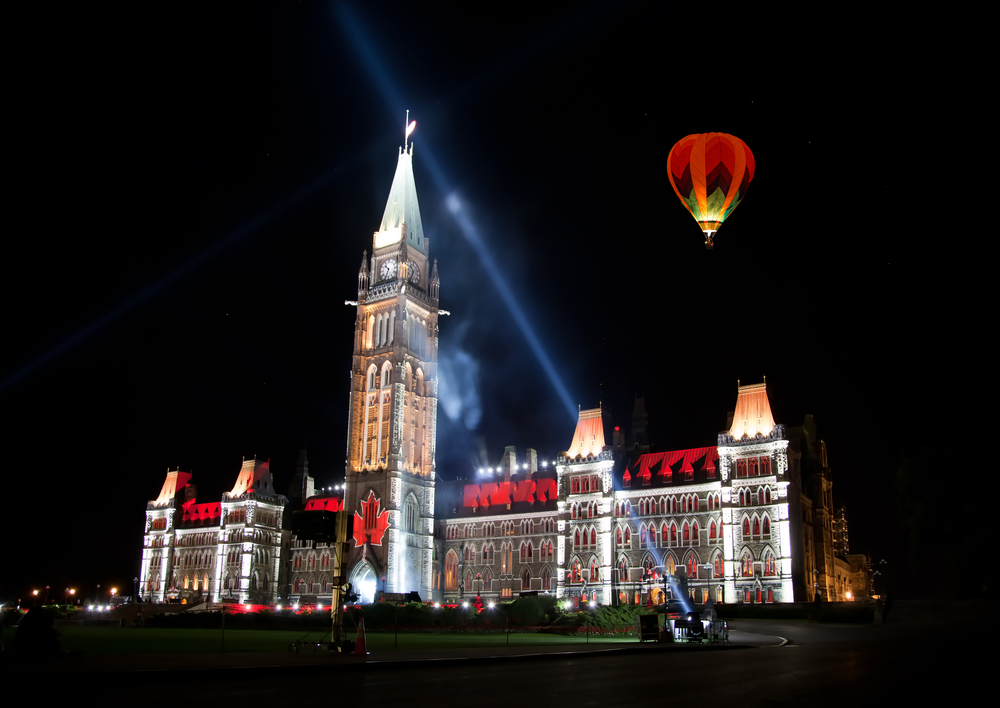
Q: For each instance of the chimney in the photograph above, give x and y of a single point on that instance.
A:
(532, 463)
(509, 461)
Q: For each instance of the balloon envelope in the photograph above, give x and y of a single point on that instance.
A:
(710, 173)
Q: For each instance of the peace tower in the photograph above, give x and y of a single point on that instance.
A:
(393, 404)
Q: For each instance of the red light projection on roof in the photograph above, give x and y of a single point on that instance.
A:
(661, 463)
(494, 493)
(325, 504)
(370, 525)
(202, 512)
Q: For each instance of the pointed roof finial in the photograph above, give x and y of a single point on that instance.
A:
(407, 129)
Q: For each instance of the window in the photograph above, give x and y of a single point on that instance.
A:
(756, 526)
(767, 495)
(595, 574)
(647, 567)
(576, 539)
(623, 570)
(741, 468)
(746, 526)
(547, 579)
(747, 565)
(769, 567)
(575, 485)
(695, 533)
(711, 531)
(664, 536)
(765, 466)
(718, 565)
(767, 527)
(687, 533)
(673, 534)
(525, 580)
(451, 571)
(628, 536)
(692, 567)
(410, 515)
(770, 594)
(642, 535)
(754, 467)
(593, 537)
(758, 595)
(576, 575)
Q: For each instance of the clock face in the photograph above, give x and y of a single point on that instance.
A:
(412, 272)
(388, 269)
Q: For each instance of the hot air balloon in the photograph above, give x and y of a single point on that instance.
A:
(710, 173)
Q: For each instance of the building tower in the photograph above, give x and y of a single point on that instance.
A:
(753, 459)
(585, 502)
(392, 426)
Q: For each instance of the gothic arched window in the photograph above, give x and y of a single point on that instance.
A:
(451, 571)
(411, 513)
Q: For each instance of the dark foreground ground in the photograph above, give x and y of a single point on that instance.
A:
(912, 662)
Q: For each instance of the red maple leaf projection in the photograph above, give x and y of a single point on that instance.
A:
(371, 523)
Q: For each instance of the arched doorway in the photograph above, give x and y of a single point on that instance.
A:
(364, 582)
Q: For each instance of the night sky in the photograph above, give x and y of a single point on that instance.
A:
(198, 190)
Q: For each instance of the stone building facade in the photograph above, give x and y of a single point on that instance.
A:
(732, 522)
(392, 423)
(231, 549)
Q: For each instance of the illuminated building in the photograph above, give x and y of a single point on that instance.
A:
(392, 426)
(231, 549)
(747, 520)
(733, 520)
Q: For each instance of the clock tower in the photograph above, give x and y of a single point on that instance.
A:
(392, 426)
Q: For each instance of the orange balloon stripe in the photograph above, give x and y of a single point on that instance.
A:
(729, 156)
(751, 163)
(698, 174)
(741, 166)
(682, 160)
(682, 154)
(671, 160)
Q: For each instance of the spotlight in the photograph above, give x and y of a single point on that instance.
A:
(465, 605)
(319, 606)
(278, 607)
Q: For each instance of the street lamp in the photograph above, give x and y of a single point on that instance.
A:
(708, 576)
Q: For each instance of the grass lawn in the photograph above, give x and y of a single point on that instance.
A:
(117, 640)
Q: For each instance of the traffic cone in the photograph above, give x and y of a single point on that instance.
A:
(360, 649)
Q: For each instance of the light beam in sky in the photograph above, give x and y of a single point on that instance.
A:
(393, 98)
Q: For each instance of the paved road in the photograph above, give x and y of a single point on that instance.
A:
(821, 665)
